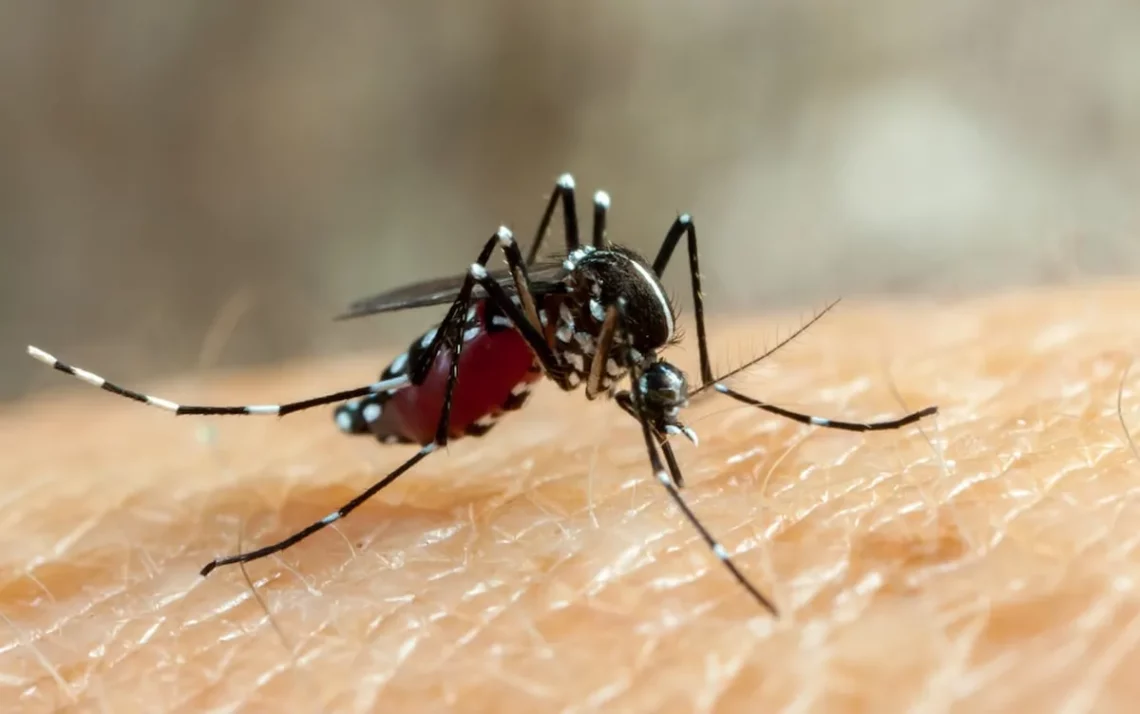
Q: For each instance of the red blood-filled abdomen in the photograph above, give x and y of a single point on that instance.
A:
(490, 366)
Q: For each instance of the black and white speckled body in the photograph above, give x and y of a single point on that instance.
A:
(572, 321)
(596, 279)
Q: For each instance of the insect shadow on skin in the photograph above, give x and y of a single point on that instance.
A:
(594, 316)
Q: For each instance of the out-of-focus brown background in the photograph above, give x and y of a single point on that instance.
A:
(160, 162)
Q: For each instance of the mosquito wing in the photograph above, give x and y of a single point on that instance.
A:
(545, 278)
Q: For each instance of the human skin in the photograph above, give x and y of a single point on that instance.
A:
(981, 561)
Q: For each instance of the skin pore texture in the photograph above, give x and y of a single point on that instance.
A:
(983, 560)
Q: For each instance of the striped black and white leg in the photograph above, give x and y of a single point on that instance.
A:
(829, 423)
(244, 410)
(327, 520)
(564, 191)
(450, 331)
(532, 334)
(683, 227)
(670, 481)
(448, 336)
(601, 207)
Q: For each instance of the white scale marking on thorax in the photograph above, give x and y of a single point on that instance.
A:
(656, 286)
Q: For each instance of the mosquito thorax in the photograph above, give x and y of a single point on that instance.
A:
(602, 276)
(599, 279)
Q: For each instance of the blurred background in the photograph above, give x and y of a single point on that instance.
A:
(168, 168)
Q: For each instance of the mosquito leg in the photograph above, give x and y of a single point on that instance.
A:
(430, 447)
(564, 190)
(526, 328)
(440, 440)
(674, 467)
(683, 226)
(624, 399)
(393, 384)
(449, 330)
(720, 386)
(829, 423)
(767, 353)
(444, 337)
(604, 344)
(601, 206)
(326, 521)
(519, 273)
(529, 327)
(670, 483)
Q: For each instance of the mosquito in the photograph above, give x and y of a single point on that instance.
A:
(596, 315)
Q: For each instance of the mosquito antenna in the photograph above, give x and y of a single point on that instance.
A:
(768, 353)
(245, 410)
(718, 385)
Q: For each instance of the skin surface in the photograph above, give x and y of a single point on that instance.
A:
(540, 568)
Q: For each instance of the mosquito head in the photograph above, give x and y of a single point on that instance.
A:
(662, 391)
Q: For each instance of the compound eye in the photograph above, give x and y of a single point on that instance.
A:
(665, 384)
